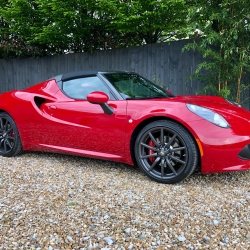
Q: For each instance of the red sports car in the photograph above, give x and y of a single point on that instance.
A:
(121, 116)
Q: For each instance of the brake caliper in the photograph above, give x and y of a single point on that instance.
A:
(150, 151)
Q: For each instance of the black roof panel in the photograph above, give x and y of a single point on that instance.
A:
(83, 73)
(77, 74)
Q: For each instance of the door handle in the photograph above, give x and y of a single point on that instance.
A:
(52, 107)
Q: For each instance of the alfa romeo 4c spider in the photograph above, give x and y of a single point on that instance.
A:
(120, 116)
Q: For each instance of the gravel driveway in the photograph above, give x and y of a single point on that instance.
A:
(62, 202)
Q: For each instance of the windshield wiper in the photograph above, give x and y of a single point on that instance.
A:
(146, 98)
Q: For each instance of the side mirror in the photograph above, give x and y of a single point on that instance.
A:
(98, 97)
(169, 91)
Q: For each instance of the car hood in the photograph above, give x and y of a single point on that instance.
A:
(205, 101)
(217, 104)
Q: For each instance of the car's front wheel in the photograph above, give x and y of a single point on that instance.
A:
(10, 143)
(166, 152)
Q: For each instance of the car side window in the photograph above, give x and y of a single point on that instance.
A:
(79, 88)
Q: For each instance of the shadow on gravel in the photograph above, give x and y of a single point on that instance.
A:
(83, 161)
(134, 171)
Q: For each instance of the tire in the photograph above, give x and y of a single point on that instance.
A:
(10, 142)
(166, 152)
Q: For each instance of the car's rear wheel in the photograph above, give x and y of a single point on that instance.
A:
(166, 152)
(10, 143)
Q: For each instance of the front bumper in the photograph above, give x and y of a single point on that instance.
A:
(224, 149)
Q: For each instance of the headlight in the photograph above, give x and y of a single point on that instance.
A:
(208, 115)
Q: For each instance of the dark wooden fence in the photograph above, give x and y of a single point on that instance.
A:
(164, 63)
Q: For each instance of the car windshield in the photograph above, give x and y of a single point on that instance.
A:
(133, 86)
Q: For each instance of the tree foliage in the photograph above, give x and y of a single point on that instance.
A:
(225, 43)
(40, 27)
(151, 21)
(21, 17)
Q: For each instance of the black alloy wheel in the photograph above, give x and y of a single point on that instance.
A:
(10, 143)
(166, 152)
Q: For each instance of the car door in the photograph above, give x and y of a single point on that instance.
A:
(74, 123)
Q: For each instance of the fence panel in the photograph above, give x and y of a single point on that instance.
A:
(164, 63)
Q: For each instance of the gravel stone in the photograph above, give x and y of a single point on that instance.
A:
(131, 246)
(108, 240)
(142, 236)
(69, 238)
(181, 238)
(50, 201)
(127, 230)
(216, 222)
(106, 217)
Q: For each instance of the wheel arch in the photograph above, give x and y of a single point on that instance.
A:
(10, 135)
(5, 111)
(145, 122)
(11, 115)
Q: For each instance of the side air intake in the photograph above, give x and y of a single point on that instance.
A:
(39, 101)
